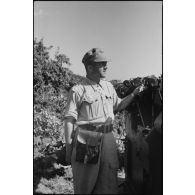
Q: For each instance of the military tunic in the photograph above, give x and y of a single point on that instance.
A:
(92, 103)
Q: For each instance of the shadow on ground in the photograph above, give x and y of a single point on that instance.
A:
(53, 175)
(50, 166)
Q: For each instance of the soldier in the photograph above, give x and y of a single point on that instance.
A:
(91, 106)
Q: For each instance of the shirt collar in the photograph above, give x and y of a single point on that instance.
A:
(95, 85)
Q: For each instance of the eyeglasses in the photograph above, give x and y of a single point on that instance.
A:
(100, 64)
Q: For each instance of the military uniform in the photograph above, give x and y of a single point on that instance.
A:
(93, 104)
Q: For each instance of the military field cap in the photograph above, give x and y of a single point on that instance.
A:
(94, 55)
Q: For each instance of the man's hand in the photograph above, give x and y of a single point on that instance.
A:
(138, 90)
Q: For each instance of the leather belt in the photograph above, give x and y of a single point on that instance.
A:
(99, 128)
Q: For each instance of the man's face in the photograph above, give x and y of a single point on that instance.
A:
(99, 69)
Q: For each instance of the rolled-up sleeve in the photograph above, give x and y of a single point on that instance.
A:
(72, 105)
(116, 100)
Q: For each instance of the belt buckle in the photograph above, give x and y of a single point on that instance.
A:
(101, 128)
(98, 128)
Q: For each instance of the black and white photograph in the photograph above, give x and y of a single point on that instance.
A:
(98, 97)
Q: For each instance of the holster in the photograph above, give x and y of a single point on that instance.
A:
(88, 146)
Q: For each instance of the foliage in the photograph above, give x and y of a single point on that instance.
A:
(115, 82)
(52, 81)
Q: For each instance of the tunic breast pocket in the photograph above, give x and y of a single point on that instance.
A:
(109, 105)
(90, 106)
(109, 99)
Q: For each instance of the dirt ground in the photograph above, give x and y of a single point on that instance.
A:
(64, 184)
(51, 177)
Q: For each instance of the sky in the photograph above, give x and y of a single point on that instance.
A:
(129, 32)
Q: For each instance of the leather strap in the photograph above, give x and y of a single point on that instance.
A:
(100, 128)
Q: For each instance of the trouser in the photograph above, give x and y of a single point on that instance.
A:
(100, 178)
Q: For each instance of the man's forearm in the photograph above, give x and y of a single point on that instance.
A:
(125, 102)
(68, 128)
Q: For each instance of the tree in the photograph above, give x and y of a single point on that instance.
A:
(52, 81)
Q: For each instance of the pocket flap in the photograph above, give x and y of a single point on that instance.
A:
(108, 96)
(89, 98)
(89, 137)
